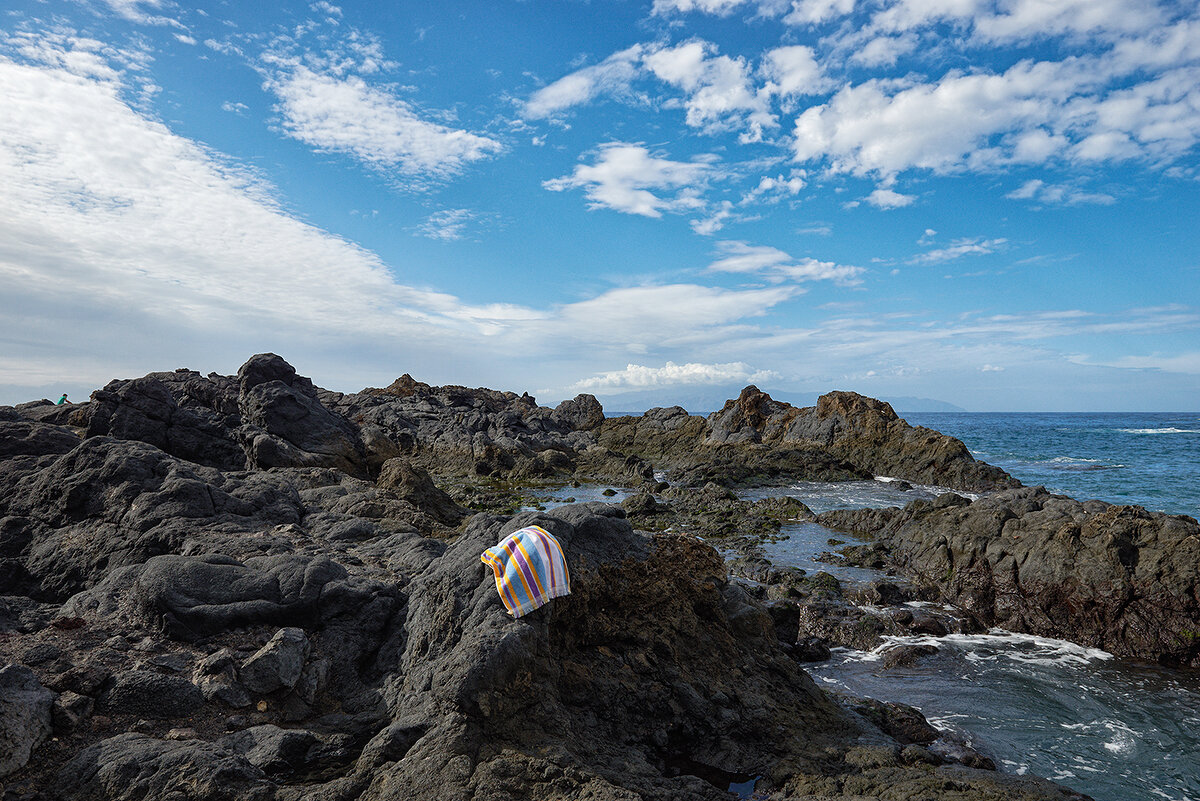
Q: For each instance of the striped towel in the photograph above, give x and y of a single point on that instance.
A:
(530, 569)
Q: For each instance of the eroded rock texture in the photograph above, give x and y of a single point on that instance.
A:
(252, 588)
(1113, 577)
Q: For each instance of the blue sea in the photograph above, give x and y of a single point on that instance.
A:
(1116, 729)
(1148, 459)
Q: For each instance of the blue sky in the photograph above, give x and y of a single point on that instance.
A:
(995, 203)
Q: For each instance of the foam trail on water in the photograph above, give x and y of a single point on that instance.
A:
(997, 644)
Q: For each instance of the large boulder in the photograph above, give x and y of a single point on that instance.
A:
(146, 409)
(1113, 577)
(286, 425)
(862, 431)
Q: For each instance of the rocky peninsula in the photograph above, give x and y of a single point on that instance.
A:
(248, 587)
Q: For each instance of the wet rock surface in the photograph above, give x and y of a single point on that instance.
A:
(1114, 577)
(252, 588)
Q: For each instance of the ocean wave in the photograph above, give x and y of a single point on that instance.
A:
(996, 644)
(1159, 430)
(1072, 464)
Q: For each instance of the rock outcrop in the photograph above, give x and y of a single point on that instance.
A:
(248, 587)
(296, 632)
(1113, 577)
(860, 430)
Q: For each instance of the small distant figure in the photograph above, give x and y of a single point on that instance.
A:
(62, 400)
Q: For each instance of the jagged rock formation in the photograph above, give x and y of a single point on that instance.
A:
(862, 431)
(251, 588)
(1113, 577)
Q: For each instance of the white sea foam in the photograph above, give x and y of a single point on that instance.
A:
(1159, 430)
(996, 644)
(1124, 739)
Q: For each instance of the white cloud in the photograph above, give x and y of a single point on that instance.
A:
(447, 224)
(812, 12)
(720, 93)
(947, 126)
(1187, 363)
(715, 221)
(133, 11)
(884, 198)
(162, 228)
(346, 115)
(1058, 194)
(624, 175)
(636, 376)
(772, 189)
(1021, 19)
(793, 70)
(611, 76)
(991, 368)
(884, 51)
(162, 249)
(718, 7)
(958, 249)
(778, 265)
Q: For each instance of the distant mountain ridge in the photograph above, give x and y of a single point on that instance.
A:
(705, 400)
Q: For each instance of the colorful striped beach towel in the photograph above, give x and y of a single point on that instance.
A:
(530, 569)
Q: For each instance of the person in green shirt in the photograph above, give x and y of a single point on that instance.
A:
(62, 400)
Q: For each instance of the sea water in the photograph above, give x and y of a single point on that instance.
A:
(1148, 459)
(1115, 729)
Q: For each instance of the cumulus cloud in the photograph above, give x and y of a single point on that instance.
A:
(947, 126)
(719, 89)
(884, 51)
(812, 12)
(778, 265)
(612, 76)
(884, 198)
(626, 176)
(793, 70)
(773, 188)
(636, 376)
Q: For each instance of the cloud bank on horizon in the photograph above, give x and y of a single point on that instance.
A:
(990, 203)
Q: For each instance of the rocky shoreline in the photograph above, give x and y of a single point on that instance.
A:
(247, 587)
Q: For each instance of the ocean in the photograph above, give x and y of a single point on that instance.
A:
(1115, 729)
(1148, 459)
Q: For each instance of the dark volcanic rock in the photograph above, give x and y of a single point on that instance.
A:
(147, 694)
(581, 414)
(24, 716)
(160, 770)
(863, 431)
(414, 485)
(146, 409)
(1113, 577)
(287, 426)
(151, 553)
